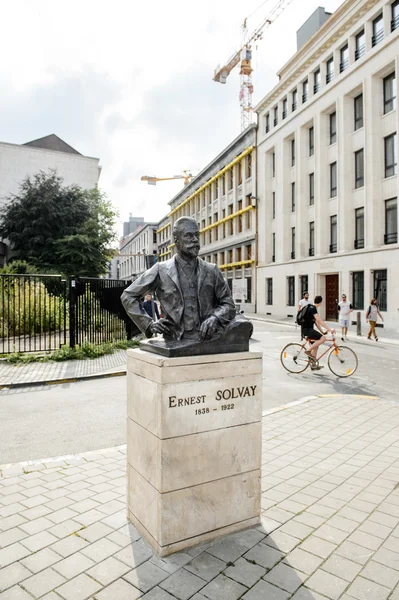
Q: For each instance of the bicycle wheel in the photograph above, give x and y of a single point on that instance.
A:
(294, 359)
(342, 361)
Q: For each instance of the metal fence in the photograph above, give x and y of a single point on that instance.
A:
(44, 312)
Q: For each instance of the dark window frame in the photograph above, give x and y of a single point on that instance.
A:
(380, 277)
(275, 116)
(305, 91)
(293, 196)
(359, 228)
(294, 100)
(267, 122)
(378, 33)
(333, 127)
(293, 153)
(291, 290)
(311, 238)
(316, 81)
(269, 291)
(285, 108)
(273, 164)
(390, 155)
(358, 290)
(330, 71)
(394, 15)
(343, 58)
(391, 221)
(359, 168)
(311, 189)
(311, 141)
(360, 48)
(389, 85)
(358, 111)
(333, 234)
(333, 179)
(293, 242)
(273, 247)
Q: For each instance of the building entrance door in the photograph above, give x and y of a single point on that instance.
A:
(332, 288)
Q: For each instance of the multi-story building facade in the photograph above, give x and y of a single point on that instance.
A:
(327, 164)
(222, 199)
(137, 251)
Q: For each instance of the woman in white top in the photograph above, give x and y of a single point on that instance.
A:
(372, 314)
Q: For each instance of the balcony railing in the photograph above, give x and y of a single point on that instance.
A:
(395, 23)
(293, 254)
(329, 77)
(304, 98)
(267, 128)
(284, 114)
(344, 65)
(294, 106)
(359, 244)
(333, 248)
(377, 38)
(316, 88)
(360, 51)
(275, 122)
(273, 258)
(311, 251)
(391, 238)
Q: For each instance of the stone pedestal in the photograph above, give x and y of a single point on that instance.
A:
(193, 446)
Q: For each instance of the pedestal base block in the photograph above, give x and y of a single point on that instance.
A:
(194, 446)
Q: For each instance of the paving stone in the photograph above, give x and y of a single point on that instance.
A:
(305, 593)
(10, 522)
(227, 550)
(327, 584)
(11, 536)
(317, 546)
(73, 565)
(365, 539)
(298, 530)
(303, 561)
(159, 594)
(38, 561)
(94, 532)
(263, 555)
(281, 541)
(116, 520)
(223, 588)
(109, 570)
(354, 552)
(134, 555)
(285, 577)
(265, 591)
(120, 590)
(89, 517)
(79, 588)
(331, 534)
(342, 567)
(183, 584)
(15, 593)
(69, 545)
(381, 574)
(206, 566)
(245, 572)
(39, 540)
(310, 519)
(12, 574)
(363, 589)
(100, 550)
(43, 582)
(64, 529)
(12, 553)
(146, 576)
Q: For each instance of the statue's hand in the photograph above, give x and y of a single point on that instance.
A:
(208, 328)
(160, 326)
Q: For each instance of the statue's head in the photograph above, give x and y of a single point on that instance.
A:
(186, 237)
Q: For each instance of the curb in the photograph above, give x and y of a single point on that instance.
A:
(306, 399)
(22, 384)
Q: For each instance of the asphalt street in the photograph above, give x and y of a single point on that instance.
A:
(89, 415)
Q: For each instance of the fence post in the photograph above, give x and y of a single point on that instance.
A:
(72, 320)
(359, 323)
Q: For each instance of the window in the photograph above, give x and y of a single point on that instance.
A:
(249, 165)
(238, 254)
(223, 185)
(333, 180)
(360, 45)
(330, 70)
(239, 173)
(291, 291)
(316, 81)
(391, 221)
(273, 247)
(389, 84)
(359, 228)
(248, 252)
(273, 205)
(359, 168)
(305, 91)
(269, 290)
(239, 219)
(358, 111)
(304, 284)
(344, 58)
(311, 238)
(248, 214)
(230, 221)
(391, 162)
(333, 233)
(311, 141)
(217, 188)
(273, 164)
(230, 180)
(295, 99)
(378, 31)
(292, 242)
(285, 108)
(275, 120)
(292, 153)
(267, 123)
(311, 189)
(381, 288)
(395, 15)
(358, 290)
(333, 127)
(293, 196)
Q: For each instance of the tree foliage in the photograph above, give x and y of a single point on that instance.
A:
(57, 228)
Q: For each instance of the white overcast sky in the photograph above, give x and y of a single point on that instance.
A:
(131, 83)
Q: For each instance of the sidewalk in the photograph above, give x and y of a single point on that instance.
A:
(329, 529)
(388, 336)
(36, 373)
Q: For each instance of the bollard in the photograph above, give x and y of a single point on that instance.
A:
(359, 323)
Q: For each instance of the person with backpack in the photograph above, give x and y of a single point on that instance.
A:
(307, 318)
(372, 314)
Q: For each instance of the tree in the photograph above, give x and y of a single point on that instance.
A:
(57, 228)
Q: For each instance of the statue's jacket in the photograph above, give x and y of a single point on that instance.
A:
(214, 297)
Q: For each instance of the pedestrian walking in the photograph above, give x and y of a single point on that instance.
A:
(147, 305)
(372, 314)
(344, 308)
(305, 300)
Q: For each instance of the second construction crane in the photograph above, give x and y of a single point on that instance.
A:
(244, 57)
(152, 180)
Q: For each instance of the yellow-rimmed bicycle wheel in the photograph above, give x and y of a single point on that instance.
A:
(342, 361)
(294, 359)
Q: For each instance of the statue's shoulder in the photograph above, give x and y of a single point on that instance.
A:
(207, 266)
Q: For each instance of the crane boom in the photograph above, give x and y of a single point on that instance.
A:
(152, 180)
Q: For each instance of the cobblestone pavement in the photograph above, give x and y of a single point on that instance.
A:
(330, 515)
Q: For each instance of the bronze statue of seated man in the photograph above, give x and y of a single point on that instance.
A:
(198, 312)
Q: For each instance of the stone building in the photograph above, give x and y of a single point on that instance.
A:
(327, 165)
(137, 251)
(222, 198)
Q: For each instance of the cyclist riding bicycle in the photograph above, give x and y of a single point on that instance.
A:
(318, 338)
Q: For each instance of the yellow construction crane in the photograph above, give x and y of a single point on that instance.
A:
(152, 180)
(244, 57)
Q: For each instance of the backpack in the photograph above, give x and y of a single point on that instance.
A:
(301, 315)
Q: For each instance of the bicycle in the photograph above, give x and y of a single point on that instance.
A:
(342, 361)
